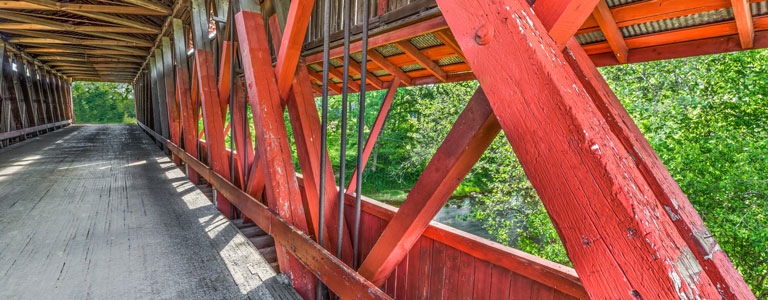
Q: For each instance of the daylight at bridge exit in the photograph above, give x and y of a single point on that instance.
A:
(384, 149)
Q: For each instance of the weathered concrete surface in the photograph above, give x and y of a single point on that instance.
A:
(97, 211)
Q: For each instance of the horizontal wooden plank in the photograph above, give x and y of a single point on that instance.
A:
(339, 277)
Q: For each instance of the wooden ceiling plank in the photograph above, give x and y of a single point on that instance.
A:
(64, 49)
(743, 15)
(447, 38)
(611, 31)
(422, 59)
(35, 20)
(649, 11)
(391, 68)
(150, 5)
(118, 9)
(96, 15)
(78, 28)
(356, 68)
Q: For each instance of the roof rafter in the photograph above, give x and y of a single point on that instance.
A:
(97, 15)
(422, 59)
(611, 31)
(71, 7)
(743, 15)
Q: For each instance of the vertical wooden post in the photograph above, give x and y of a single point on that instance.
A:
(41, 97)
(619, 237)
(170, 95)
(213, 115)
(31, 98)
(161, 93)
(5, 98)
(188, 104)
(23, 121)
(271, 135)
(153, 96)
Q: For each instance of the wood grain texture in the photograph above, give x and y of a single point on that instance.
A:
(570, 156)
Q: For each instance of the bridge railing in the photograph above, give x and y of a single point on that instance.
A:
(445, 263)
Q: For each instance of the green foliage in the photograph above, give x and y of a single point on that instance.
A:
(705, 117)
(103, 102)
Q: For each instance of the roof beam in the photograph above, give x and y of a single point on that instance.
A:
(391, 68)
(423, 60)
(611, 31)
(290, 45)
(565, 18)
(78, 28)
(447, 38)
(88, 59)
(648, 11)
(97, 15)
(63, 40)
(34, 21)
(64, 49)
(356, 68)
(150, 5)
(116, 9)
(743, 15)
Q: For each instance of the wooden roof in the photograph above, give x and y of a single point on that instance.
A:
(618, 31)
(86, 39)
(110, 40)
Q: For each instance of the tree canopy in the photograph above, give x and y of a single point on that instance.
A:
(103, 102)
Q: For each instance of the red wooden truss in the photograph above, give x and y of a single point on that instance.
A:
(203, 70)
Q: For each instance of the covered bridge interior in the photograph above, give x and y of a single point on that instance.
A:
(170, 209)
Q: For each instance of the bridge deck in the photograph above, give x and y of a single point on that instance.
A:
(98, 211)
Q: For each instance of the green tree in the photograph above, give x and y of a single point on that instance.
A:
(103, 102)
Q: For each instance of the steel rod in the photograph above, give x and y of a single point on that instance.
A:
(343, 139)
(360, 133)
(324, 134)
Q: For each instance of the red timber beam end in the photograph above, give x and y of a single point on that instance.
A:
(563, 17)
(618, 234)
(290, 45)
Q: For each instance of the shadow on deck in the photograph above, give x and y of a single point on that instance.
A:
(98, 211)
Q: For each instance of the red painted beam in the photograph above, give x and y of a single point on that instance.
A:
(172, 104)
(213, 117)
(375, 130)
(341, 279)
(720, 44)
(620, 239)
(431, 25)
(224, 83)
(690, 225)
(290, 46)
(743, 15)
(305, 124)
(613, 35)
(563, 17)
(473, 131)
(271, 135)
